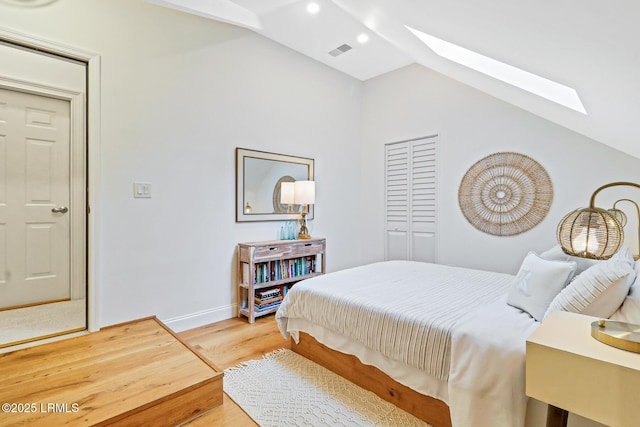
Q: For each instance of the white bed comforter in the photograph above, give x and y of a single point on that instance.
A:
(451, 323)
(487, 376)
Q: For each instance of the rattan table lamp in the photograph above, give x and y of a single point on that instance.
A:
(592, 232)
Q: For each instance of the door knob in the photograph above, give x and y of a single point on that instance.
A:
(60, 209)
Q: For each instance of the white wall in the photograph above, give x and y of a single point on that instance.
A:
(414, 102)
(179, 93)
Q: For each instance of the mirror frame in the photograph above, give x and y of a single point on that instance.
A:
(244, 153)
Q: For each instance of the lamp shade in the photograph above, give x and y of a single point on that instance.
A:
(305, 192)
(287, 193)
(590, 233)
(620, 216)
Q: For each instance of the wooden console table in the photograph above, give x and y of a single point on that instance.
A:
(275, 265)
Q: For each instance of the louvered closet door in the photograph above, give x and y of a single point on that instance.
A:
(423, 200)
(397, 201)
(411, 200)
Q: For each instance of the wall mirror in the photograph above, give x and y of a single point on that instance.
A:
(258, 178)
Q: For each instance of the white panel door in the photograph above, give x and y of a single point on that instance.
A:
(34, 198)
(410, 200)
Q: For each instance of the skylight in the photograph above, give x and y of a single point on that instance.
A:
(530, 82)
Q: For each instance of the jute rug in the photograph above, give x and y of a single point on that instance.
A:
(286, 389)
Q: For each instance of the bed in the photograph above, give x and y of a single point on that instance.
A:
(442, 342)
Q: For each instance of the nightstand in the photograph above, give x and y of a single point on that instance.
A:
(571, 371)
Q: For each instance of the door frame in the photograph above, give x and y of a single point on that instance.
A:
(91, 157)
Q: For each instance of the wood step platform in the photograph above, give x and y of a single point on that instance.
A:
(133, 374)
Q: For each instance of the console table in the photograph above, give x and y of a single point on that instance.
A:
(572, 371)
(271, 268)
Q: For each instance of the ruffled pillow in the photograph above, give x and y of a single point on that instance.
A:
(598, 291)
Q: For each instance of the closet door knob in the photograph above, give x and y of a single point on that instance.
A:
(60, 209)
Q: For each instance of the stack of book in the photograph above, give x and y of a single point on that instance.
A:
(267, 299)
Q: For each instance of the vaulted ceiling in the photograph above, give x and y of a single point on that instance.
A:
(590, 47)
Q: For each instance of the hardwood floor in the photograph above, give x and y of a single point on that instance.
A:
(227, 344)
(113, 375)
(131, 374)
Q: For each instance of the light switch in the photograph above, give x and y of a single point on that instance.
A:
(141, 190)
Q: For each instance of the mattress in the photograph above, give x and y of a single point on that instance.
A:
(444, 331)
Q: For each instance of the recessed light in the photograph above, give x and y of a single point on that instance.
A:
(363, 38)
(525, 80)
(313, 8)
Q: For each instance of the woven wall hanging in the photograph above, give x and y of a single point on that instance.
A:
(505, 194)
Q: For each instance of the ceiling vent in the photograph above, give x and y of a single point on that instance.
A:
(340, 50)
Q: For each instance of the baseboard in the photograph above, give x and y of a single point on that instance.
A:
(200, 318)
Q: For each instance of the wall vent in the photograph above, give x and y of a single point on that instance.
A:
(340, 50)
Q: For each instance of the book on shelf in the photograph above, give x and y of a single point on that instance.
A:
(261, 301)
(268, 293)
(269, 298)
(258, 308)
(283, 269)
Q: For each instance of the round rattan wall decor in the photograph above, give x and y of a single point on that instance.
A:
(505, 194)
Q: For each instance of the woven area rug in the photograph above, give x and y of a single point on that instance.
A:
(286, 389)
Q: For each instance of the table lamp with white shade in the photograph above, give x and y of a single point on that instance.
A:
(305, 195)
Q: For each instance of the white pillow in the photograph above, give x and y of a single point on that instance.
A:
(629, 311)
(538, 281)
(557, 254)
(598, 291)
(624, 254)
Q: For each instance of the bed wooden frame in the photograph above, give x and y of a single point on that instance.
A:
(429, 409)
